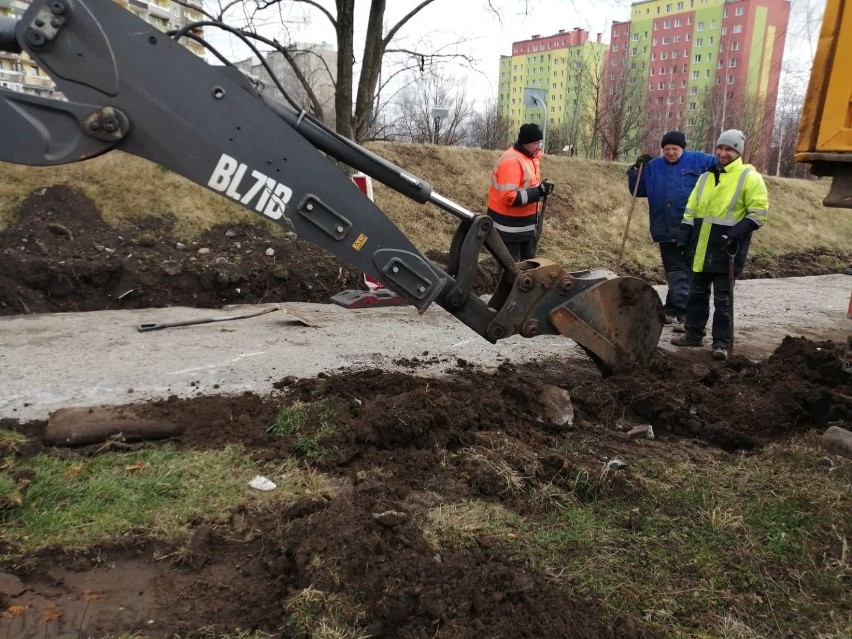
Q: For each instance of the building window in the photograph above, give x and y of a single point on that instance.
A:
(666, 40)
(731, 63)
(667, 24)
(697, 58)
(695, 75)
(677, 22)
(739, 11)
(676, 38)
(664, 55)
(730, 79)
(738, 28)
(699, 42)
(735, 46)
(700, 26)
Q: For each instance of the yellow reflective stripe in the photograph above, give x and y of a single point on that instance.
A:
(691, 215)
(758, 216)
(736, 196)
(700, 186)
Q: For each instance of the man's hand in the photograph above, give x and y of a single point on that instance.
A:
(642, 160)
(546, 188)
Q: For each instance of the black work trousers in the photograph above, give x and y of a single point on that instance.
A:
(677, 278)
(698, 308)
(521, 251)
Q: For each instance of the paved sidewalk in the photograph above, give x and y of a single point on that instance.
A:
(51, 361)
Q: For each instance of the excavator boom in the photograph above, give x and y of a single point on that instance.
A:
(131, 87)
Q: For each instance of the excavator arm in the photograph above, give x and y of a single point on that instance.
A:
(131, 87)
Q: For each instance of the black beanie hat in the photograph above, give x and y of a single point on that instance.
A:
(529, 133)
(674, 137)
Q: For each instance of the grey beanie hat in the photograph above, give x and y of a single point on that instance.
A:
(733, 138)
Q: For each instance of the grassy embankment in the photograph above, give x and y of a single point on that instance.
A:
(586, 215)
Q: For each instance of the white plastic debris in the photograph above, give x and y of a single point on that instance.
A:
(262, 483)
(615, 464)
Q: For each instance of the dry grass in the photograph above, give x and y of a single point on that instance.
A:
(586, 216)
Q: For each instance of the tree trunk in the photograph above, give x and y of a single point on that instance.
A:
(345, 57)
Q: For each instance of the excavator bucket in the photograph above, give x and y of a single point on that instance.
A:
(617, 320)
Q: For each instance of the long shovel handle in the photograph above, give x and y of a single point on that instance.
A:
(630, 214)
(732, 278)
(144, 328)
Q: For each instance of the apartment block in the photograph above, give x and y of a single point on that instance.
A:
(700, 66)
(20, 73)
(560, 70)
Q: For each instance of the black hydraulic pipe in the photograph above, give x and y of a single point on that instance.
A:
(354, 155)
(8, 41)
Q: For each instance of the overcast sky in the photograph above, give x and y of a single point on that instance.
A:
(485, 29)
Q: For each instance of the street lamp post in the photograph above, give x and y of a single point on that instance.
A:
(538, 97)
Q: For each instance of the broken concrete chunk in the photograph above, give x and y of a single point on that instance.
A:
(645, 430)
(556, 406)
(391, 518)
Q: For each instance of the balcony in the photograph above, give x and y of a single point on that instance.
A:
(157, 10)
(10, 76)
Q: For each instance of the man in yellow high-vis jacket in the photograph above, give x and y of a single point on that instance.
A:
(727, 205)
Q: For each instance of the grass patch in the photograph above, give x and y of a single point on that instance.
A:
(74, 504)
(760, 543)
(311, 424)
(462, 523)
(324, 615)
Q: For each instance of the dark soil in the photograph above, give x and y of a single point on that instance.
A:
(61, 256)
(362, 541)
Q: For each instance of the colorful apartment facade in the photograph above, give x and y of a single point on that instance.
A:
(20, 73)
(700, 66)
(560, 70)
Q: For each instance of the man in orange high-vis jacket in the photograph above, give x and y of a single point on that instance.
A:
(516, 188)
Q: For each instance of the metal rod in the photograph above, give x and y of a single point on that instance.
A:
(450, 207)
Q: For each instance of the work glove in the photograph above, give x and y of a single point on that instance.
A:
(738, 231)
(742, 229)
(642, 160)
(546, 188)
(684, 236)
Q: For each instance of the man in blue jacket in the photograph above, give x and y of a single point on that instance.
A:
(667, 181)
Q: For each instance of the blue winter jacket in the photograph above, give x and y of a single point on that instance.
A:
(667, 187)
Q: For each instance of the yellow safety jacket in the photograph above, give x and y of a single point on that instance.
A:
(722, 199)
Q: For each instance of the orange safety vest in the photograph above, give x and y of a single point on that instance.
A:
(514, 170)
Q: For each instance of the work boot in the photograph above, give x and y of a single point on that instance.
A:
(677, 326)
(687, 340)
(720, 353)
(670, 319)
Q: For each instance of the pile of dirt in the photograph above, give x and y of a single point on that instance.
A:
(61, 256)
(364, 541)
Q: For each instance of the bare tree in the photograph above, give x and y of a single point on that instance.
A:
(354, 109)
(415, 121)
(621, 118)
(490, 130)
